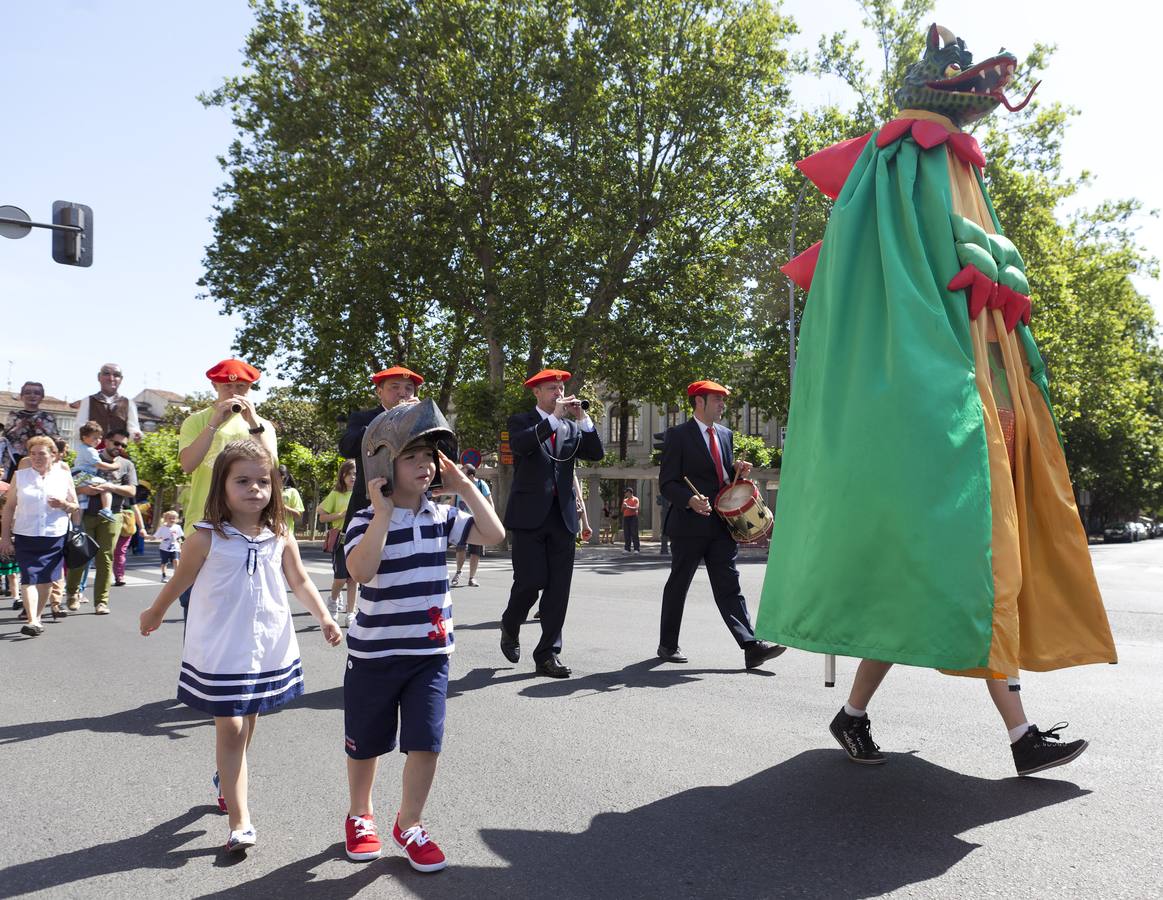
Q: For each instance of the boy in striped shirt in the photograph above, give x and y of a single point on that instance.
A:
(399, 643)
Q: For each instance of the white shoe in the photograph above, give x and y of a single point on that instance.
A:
(455, 580)
(472, 582)
(240, 840)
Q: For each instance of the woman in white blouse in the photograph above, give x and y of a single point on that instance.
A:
(36, 520)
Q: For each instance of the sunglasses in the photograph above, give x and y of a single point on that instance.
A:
(119, 444)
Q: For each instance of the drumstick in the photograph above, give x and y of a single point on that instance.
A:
(698, 493)
(736, 478)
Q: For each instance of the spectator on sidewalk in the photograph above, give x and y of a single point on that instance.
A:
(292, 500)
(630, 506)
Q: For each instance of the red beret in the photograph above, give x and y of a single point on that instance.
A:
(397, 372)
(547, 375)
(706, 387)
(230, 370)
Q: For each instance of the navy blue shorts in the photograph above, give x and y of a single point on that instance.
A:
(169, 556)
(381, 693)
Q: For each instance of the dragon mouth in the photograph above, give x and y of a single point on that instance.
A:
(986, 79)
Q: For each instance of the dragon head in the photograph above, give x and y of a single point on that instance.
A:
(946, 82)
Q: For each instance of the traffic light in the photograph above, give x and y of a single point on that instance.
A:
(659, 441)
(72, 238)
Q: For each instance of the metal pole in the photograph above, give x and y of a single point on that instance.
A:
(76, 229)
(829, 658)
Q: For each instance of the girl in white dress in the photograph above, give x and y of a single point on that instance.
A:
(240, 656)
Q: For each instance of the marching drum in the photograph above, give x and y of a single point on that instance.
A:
(742, 508)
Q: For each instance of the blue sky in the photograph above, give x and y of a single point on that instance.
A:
(101, 108)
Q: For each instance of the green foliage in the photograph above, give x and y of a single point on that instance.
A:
(314, 472)
(156, 459)
(753, 449)
(300, 419)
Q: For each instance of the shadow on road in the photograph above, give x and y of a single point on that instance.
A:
(156, 849)
(814, 826)
(161, 718)
(646, 674)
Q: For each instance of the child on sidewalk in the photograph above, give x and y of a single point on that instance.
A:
(398, 646)
(240, 655)
(88, 465)
(170, 535)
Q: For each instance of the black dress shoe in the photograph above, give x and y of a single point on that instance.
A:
(510, 646)
(671, 654)
(756, 653)
(554, 668)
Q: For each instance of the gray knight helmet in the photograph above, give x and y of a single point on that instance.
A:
(394, 429)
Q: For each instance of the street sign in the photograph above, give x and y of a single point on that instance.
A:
(12, 219)
(471, 457)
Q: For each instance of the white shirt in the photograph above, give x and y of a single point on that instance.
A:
(707, 440)
(34, 517)
(585, 423)
(170, 536)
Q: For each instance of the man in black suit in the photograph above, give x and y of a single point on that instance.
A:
(542, 514)
(393, 387)
(702, 451)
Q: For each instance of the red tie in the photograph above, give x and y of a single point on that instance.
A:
(715, 455)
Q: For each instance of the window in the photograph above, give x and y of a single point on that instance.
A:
(615, 429)
(754, 421)
(673, 416)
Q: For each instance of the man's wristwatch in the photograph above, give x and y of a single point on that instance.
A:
(259, 430)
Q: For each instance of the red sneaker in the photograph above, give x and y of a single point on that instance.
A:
(422, 851)
(362, 841)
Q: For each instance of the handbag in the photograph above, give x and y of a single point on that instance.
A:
(128, 522)
(330, 540)
(80, 548)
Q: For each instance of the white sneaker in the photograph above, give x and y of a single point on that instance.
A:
(455, 580)
(350, 619)
(472, 582)
(240, 840)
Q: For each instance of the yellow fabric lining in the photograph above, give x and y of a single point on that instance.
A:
(1048, 612)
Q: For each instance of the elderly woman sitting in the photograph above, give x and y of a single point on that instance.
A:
(36, 520)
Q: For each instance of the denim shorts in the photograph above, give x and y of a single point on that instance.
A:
(388, 693)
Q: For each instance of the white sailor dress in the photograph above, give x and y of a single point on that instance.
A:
(240, 655)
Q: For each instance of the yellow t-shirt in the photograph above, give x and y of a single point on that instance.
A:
(293, 501)
(333, 503)
(233, 429)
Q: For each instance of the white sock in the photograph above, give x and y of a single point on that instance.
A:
(854, 712)
(1018, 732)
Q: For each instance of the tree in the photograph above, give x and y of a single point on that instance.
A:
(156, 458)
(314, 473)
(475, 186)
(300, 419)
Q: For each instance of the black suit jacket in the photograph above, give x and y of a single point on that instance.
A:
(537, 474)
(350, 447)
(685, 454)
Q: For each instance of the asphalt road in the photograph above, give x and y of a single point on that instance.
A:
(633, 779)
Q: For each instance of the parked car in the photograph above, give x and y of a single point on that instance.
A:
(1140, 530)
(1120, 532)
(1154, 529)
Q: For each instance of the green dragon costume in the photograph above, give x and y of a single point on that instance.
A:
(920, 415)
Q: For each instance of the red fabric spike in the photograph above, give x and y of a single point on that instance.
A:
(1001, 297)
(982, 291)
(829, 168)
(803, 267)
(929, 134)
(893, 131)
(967, 149)
(1017, 307)
(1026, 314)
